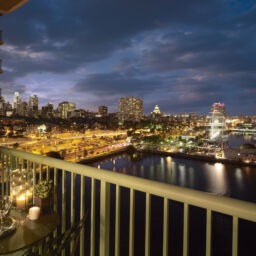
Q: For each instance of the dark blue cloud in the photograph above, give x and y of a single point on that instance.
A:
(182, 55)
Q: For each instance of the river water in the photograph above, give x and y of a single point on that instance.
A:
(217, 178)
(220, 179)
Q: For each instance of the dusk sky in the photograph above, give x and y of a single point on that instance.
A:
(180, 54)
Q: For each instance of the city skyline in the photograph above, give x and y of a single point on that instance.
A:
(182, 56)
(35, 101)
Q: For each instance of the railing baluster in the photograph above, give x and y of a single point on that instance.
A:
(93, 200)
(131, 223)
(13, 162)
(7, 182)
(72, 204)
(82, 212)
(3, 168)
(117, 222)
(165, 227)
(147, 225)
(235, 236)
(185, 229)
(55, 195)
(56, 184)
(208, 232)
(40, 172)
(34, 179)
(72, 199)
(104, 218)
(47, 173)
(63, 203)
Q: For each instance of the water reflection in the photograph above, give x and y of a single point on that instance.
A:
(182, 175)
(239, 177)
(191, 176)
(228, 180)
(220, 179)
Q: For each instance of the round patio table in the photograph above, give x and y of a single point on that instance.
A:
(28, 232)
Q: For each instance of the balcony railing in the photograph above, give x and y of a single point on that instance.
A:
(112, 197)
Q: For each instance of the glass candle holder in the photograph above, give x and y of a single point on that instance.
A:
(21, 188)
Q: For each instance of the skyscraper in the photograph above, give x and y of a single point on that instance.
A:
(66, 108)
(103, 110)
(219, 107)
(33, 105)
(16, 100)
(47, 110)
(217, 121)
(2, 104)
(130, 109)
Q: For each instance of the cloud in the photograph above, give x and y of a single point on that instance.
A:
(182, 55)
(116, 84)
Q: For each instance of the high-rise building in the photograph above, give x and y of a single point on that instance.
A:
(216, 121)
(47, 111)
(66, 108)
(103, 111)
(33, 105)
(16, 100)
(219, 107)
(22, 109)
(2, 104)
(130, 109)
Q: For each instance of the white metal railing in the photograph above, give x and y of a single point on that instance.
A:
(65, 176)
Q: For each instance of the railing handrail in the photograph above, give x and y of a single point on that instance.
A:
(230, 206)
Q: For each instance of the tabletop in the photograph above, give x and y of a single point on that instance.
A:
(28, 232)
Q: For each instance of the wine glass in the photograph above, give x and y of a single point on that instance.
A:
(5, 206)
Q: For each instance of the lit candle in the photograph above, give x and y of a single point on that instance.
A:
(21, 201)
(33, 213)
(13, 193)
(29, 195)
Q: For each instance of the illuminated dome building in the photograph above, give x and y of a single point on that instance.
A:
(156, 110)
(216, 122)
(156, 115)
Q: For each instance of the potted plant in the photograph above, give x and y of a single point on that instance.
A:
(44, 195)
